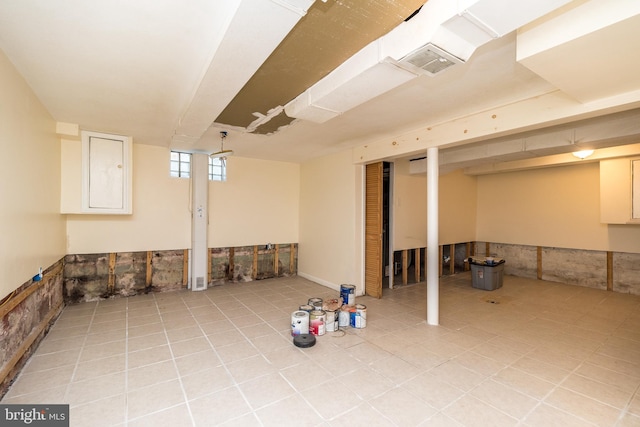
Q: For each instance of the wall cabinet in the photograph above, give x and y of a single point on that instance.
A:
(620, 191)
(106, 173)
(96, 176)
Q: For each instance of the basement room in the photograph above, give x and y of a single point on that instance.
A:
(320, 213)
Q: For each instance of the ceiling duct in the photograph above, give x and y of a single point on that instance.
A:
(440, 35)
(430, 58)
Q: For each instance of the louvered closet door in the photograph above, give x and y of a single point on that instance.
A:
(373, 231)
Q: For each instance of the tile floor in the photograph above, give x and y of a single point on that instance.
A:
(532, 353)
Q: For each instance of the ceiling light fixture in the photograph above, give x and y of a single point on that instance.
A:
(582, 154)
(222, 154)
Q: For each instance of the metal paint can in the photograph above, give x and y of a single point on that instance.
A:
(317, 319)
(306, 307)
(343, 316)
(316, 303)
(331, 324)
(299, 323)
(348, 294)
(358, 316)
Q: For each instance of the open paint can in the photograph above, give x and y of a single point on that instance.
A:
(316, 303)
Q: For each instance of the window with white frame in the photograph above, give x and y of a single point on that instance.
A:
(180, 164)
(217, 169)
(180, 167)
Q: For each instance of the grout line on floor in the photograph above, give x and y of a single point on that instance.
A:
(175, 366)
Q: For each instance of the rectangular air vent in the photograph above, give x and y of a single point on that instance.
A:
(430, 58)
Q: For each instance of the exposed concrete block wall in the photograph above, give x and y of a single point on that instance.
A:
(575, 267)
(26, 315)
(521, 259)
(89, 277)
(626, 273)
(580, 267)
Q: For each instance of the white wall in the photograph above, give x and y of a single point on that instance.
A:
(161, 216)
(257, 204)
(331, 235)
(457, 208)
(557, 207)
(31, 229)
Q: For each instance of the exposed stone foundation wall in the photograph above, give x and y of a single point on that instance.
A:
(99, 276)
(615, 271)
(26, 315)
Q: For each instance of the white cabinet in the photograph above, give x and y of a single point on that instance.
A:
(106, 173)
(620, 191)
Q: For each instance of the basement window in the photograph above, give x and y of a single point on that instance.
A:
(217, 169)
(180, 165)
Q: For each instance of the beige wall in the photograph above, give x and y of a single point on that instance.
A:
(161, 216)
(31, 229)
(457, 207)
(557, 207)
(257, 204)
(330, 250)
(409, 208)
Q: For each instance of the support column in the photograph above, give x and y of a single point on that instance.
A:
(199, 220)
(433, 248)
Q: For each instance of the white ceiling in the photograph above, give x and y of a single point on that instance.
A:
(162, 70)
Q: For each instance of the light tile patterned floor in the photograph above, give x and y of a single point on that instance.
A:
(532, 353)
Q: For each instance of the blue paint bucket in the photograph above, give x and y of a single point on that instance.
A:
(348, 294)
(358, 316)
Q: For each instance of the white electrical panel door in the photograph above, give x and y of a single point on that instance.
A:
(107, 173)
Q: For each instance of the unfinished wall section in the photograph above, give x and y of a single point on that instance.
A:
(522, 260)
(575, 267)
(410, 265)
(613, 271)
(247, 263)
(626, 273)
(26, 314)
(90, 277)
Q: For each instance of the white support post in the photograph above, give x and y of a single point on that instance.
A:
(199, 220)
(433, 251)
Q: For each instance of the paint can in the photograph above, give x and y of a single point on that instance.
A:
(358, 316)
(332, 304)
(331, 324)
(317, 319)
(306, 307)
(348, 294)
(343, 316)
(316, 303)
(299, 323)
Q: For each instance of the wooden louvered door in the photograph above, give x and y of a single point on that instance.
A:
(373, 230)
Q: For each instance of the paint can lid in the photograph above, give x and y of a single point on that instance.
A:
(304, 340)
